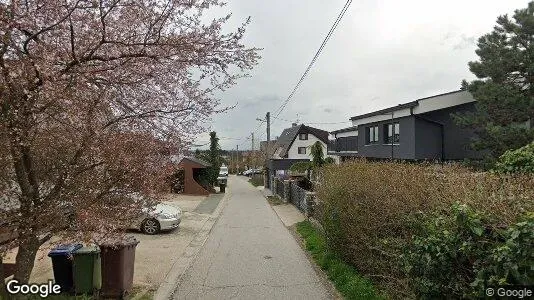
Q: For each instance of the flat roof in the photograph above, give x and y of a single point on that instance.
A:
(351, 128)
(399, 107)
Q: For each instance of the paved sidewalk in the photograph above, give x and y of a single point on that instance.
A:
(250, 255)
(209, 205)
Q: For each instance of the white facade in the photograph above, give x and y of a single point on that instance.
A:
(386, 116)
(442, 101)
(293, 153)
(347, 133)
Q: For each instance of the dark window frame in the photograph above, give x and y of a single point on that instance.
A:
(392, 133)
(299, 148)
(305, 136)
(373, 138)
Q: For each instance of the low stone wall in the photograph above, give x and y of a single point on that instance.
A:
(286, 190)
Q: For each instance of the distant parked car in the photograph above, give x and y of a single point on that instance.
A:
(250, 172)
(162, 217)
(223, 171)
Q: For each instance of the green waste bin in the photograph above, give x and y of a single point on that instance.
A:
(87, 270)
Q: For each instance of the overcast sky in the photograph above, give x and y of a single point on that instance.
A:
(383, 53)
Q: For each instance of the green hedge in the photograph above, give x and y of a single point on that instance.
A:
(459, 255)
(373, 212)
(517, 161)
(300, 167)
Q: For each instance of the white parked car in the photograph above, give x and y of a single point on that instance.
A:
(162, 217)
(248, 172)
(223, 171)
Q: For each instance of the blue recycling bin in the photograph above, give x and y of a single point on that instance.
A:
(62, 265)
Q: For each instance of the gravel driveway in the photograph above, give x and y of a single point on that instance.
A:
(155, 254)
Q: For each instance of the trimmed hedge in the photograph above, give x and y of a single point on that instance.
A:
(373, 211)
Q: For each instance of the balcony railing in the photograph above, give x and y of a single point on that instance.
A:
(344, 144)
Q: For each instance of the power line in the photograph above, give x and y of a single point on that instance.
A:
(318, 52)
(246, 139)
(323, 44)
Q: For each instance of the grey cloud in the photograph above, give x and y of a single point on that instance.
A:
(464, 42)
(376, 58)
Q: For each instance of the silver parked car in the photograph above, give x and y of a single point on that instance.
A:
(161, 217)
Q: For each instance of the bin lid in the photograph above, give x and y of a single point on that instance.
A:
(124, 242)
(64, 250)
(93, 249)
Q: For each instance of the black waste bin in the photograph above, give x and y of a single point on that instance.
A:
(62, 265)
(222, 186)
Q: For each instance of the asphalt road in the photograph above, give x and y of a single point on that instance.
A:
(250, 255)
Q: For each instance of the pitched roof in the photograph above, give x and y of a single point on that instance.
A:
(289, 134)
(197, 161)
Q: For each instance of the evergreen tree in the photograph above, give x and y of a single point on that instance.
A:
(504, 89)
(317, 153)
(214, 158)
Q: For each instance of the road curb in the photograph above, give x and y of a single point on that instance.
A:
(184, 262)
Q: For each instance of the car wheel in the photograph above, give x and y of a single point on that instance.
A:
(150, 226)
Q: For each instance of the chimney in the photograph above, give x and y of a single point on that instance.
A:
(294, 124)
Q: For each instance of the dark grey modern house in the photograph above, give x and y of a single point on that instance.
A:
(418, 130)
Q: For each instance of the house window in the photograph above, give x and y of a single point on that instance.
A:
(303, 136)
(392, 133)
(302, 150)
(371, 135)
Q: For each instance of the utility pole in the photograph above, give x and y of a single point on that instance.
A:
(252, 152)
(237, 165)
(268, 119)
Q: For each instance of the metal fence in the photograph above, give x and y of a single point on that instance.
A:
(298, 197)
(279, 188)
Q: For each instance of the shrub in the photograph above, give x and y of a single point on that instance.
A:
(301, 166)
(459, 255)
(371, 210)
(517, 161)
(329, 160)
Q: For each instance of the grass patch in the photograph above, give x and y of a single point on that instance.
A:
(274, 200)
(256, 180)
(345, 277)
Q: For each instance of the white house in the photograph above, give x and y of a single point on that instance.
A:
(295, 142)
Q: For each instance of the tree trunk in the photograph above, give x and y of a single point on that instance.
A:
(28, 247)
(3, 292)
